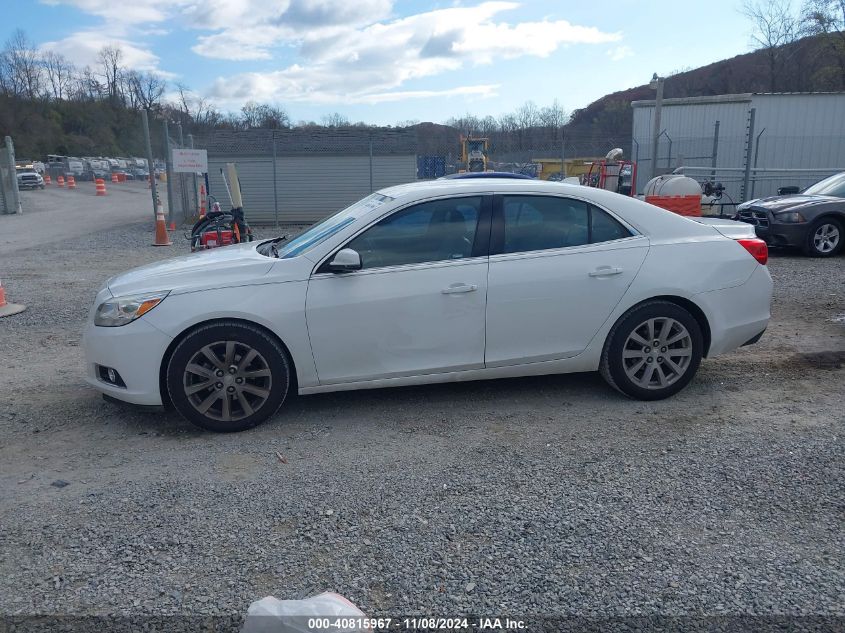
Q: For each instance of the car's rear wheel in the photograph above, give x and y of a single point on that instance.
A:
(825, 238)
(228, 376)
(653, 351)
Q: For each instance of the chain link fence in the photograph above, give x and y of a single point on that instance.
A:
(9, 195)
(753, 165)
(299, 176)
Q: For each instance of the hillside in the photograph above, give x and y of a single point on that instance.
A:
(804, 66)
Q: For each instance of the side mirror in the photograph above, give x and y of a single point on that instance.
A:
(345, 260)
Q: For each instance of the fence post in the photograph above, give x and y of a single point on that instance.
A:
(195, 196)
(562, 150)
(371, 162)
(749, 143)
(13, 199)
(183, 193)
(150, 164)
(715, 152)
(168, 164)
(4, 199)
(756, 156)
(275, 181)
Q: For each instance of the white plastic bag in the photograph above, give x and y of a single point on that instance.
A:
(325, 612)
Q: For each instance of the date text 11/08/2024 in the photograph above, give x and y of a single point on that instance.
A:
(415, 623)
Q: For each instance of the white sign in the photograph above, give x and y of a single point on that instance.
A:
(190, 161)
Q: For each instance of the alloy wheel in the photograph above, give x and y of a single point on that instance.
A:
(826, 238)
(227, 381)
(657, 353)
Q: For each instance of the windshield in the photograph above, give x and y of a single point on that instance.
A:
(331, 225)
(833, 186)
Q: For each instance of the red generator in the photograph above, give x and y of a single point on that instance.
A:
(215, 238)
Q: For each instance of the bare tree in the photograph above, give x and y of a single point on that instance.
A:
(261, 115)
(335, 119)
(775, 27)
(23, 74)
(147, 88)
(60, 73)
(111, 63)
(827, 17)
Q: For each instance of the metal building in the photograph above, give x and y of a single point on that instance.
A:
(301, 175)
(753, 143)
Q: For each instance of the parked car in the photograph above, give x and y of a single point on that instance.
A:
(436, 281)
(28, 178)
(813, 220)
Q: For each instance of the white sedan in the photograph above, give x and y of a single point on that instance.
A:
(433, 282)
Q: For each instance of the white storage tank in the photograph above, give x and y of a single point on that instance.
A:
(675, 192)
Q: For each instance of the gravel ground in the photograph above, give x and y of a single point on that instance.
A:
(526, 497)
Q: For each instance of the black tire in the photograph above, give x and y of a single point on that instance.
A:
(814, 249)
(614, 365)
(266, 371)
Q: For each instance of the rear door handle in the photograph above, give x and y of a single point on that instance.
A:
(605, 271)
(456, 288)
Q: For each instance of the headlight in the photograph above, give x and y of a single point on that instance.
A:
(746, 204)
(790, 217)
(122, 310)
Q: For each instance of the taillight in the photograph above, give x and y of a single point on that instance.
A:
(757, 249)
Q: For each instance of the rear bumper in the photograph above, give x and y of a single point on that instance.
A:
(738, 315)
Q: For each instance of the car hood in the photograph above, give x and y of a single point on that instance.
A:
(236, 265)
(776, 204)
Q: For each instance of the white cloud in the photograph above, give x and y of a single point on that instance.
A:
(122, 13)
(619, 53)
(83, 47)
(347, 50)
(367, 64)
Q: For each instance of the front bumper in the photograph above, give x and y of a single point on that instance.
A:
(783, 234)
(771, 231)
(134, 351)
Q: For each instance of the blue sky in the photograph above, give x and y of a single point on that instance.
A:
(384, 61)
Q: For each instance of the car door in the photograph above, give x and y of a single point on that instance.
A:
(417, 304)
(558, 268)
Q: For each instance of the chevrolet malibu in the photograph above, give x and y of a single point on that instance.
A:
(433, 282)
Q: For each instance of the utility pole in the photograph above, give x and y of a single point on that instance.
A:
(150, 164)
(168, 162)
(656, 84)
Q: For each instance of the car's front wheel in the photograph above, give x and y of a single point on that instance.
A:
(228, 376)
(825, 238)
(653, 351)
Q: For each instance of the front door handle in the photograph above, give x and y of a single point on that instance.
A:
(605, 271)
(456, 288)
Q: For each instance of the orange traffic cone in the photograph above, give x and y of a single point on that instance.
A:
(71, 182)
(60, 181)
(202, 201)
(47, 180)
(162, 239)
(114, 177)
(100, 184)
(8, 309)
